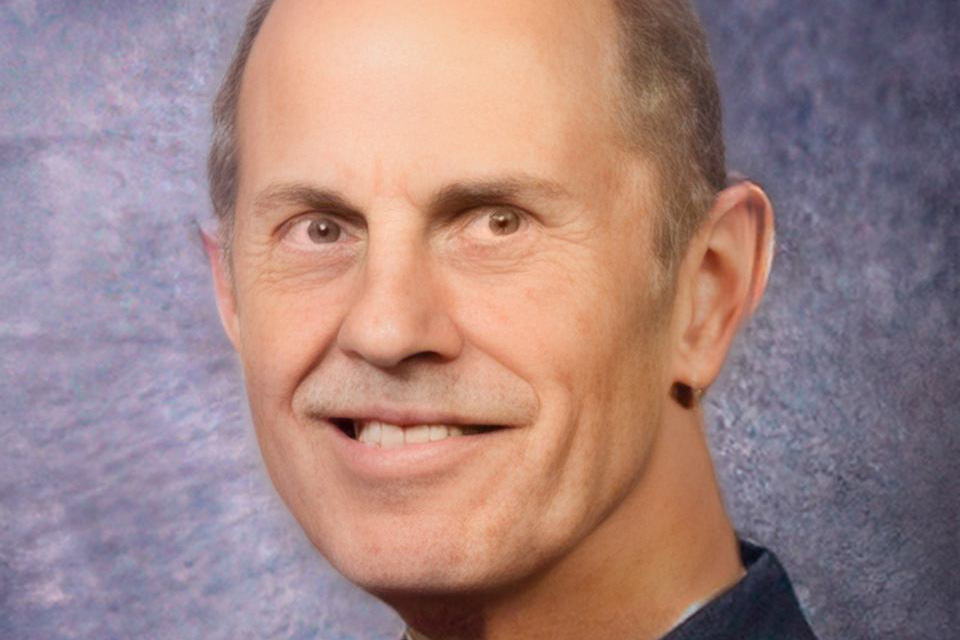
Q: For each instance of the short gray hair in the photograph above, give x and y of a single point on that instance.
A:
(670, 109)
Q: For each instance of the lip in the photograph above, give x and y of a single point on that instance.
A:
(428, 459)
(405, 417)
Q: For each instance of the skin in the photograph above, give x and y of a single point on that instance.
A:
(408, 126)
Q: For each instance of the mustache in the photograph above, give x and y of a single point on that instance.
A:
(479, 393)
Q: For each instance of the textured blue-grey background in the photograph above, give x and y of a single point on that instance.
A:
(132, 500)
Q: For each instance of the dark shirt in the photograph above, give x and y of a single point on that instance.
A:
(762, 606)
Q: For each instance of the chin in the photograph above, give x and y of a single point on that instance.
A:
(408, 577)
(418, 560)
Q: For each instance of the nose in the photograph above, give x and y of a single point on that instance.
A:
(399, 313)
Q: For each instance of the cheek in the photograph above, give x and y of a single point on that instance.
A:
(285, 327)
(555, 325)
(587, 339)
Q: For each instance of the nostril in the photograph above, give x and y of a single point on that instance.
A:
(346, 425)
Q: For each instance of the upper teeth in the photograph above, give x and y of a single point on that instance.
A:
(374, 433)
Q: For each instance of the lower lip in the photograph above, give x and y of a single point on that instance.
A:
(409, 460)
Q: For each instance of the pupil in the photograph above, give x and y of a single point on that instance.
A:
(323, 231)
(504, 222)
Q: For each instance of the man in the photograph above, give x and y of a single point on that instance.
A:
(479, 262)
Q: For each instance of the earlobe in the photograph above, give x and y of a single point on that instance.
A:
(723, 278)
(222, 287)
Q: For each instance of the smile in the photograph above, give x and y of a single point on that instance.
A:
(379, 434)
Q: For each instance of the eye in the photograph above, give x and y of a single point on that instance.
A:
(499, 221)
(312, 232)
(323, 230)
(503, 222)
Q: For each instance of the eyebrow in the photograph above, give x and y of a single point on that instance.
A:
(461, 196)
(455, 197)
(301, 194)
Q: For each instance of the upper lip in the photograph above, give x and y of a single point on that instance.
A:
(406, 417)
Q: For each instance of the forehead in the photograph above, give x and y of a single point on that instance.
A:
(400, 92)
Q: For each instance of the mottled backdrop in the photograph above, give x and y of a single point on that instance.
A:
(132, 500)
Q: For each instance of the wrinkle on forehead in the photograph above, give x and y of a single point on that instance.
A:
(569, 33)
(380, 97)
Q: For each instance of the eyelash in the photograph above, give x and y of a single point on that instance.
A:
(482, 215)
(472, 217)
(286, 230)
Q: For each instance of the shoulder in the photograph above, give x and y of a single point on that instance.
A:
(762, 605)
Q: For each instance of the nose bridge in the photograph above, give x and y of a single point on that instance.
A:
(398, 311)
(395, 272)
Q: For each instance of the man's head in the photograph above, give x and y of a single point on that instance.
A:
(439, 225)
(666, 103)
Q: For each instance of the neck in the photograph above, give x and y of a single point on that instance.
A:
(667, 548)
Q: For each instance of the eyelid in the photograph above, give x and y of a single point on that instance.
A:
(284, 234)
(351, 224)
(348, 225)
(481, 212)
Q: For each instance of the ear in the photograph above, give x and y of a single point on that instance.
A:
(721, 281)
(222, 287)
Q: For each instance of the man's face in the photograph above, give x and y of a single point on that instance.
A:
(437, 225)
